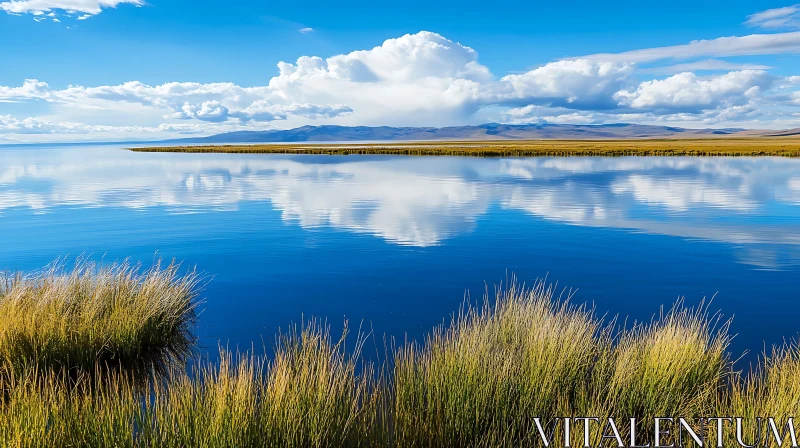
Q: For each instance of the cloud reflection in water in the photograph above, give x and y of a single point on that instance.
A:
(752, 203)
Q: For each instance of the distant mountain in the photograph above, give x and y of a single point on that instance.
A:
(490, 131)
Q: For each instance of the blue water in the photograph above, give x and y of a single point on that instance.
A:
(393, 244)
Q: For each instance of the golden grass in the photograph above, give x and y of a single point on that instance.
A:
(481, 380)
(673, 367)
(314, 393)
(772, 390)
(478, 382)
(761, 146)
(94, 317)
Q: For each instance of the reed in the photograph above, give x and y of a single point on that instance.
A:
(770, 390)
(674, 366)
(95, 317)
(480, 381)
(313, 393)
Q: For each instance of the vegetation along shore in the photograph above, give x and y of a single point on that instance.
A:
(104, 356)
(757, 146)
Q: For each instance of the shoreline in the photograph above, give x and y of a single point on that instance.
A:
(714, 147)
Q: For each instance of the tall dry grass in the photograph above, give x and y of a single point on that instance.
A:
(676, 366)
(771, 390)
(480, 381)
(314, 393)
(94, 317)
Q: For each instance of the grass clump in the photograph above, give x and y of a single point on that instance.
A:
(313, 393)
(50, 410)
(771, 390)
(96, 317)
(317, 392)
(482, 380)
(673, 367)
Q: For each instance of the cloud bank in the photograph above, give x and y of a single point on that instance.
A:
(425, 79)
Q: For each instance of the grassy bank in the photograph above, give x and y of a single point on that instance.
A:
(90, 318)
(762, 146)
(478, 381)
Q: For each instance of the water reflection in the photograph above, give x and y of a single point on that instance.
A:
(752, 203)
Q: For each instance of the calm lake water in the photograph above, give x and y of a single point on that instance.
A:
(396, 242)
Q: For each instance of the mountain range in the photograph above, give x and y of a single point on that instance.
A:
(489, 131)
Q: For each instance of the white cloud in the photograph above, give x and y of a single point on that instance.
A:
(306, 30)
(425, 79)
(215, 102)
(786, 17)
(263, 111)
(689, 92)
(754, 44)
(574, 83)
(33, 126)
(38, 7)
(212, 111)
(559, 115)
(260, 110)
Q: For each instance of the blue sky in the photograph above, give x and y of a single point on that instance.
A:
(130, 69)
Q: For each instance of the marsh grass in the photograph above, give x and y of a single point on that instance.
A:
(674, 366)
(770, 390)
(477, 382)
(313, 393)
(482, 379)
(76, 321)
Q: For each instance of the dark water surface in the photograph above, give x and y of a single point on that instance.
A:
(394, 242)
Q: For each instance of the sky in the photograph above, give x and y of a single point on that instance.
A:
(114, 70)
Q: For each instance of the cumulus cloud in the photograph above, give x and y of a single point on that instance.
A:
(425, 79)
(786, 17)
(306, 30)
(264, 111)
(407, 58)
(39, 7)
(214, 102)
(575, 83)
(261, 110)
(212, 111)
(689, 92)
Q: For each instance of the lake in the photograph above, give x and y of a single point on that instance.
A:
(394, 243)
